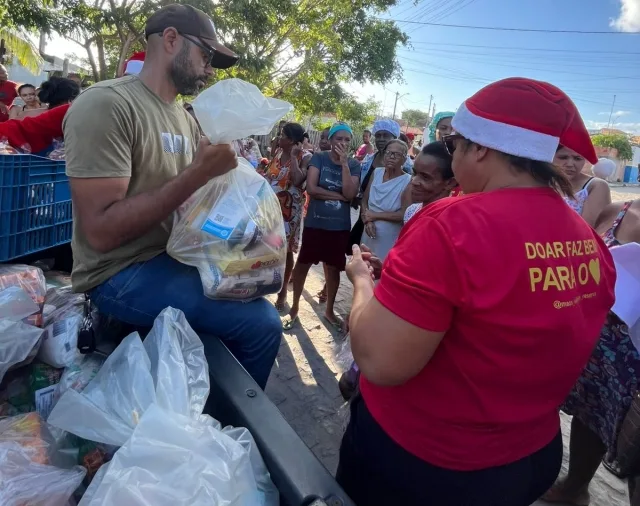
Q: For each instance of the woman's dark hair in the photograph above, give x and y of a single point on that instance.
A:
(543, 172)
(438, 150)
(294, 131)
(57, 91)
(306, 136)
(22, 87)
(404, 138)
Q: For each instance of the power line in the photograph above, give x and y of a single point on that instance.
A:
(554, 50)
(508, 29)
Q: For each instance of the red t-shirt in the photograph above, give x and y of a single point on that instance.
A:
(8, 92)
(521, 285)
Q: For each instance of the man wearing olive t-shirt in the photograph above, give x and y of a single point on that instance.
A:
(133, 158)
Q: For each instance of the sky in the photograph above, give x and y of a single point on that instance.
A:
(451, 64)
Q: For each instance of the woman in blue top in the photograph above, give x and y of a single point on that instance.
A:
(332, 182)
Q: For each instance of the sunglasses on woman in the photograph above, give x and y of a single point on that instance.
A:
(449, 142)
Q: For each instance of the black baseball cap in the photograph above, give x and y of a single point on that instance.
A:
(188, 20)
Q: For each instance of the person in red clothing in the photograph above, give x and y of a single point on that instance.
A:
(8, 92)
(33, 135)
(484, 317)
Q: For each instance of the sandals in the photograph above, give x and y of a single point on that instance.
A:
(322, 296)
(280, 305)
(288, 323)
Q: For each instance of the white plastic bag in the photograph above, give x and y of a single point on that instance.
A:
(172, 460)
(232, 229)
(169, 368)
(27, 483)
(16, 304)
(17, 341)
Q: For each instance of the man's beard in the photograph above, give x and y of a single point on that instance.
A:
(182, 75)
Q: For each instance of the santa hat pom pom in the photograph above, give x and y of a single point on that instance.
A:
(604, 168)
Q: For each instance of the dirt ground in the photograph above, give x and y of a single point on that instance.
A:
(304, 381)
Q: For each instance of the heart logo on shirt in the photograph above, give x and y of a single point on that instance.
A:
(594, 269)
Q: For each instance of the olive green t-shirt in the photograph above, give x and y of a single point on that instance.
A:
(120, 128)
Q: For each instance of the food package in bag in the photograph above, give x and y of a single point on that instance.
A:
(232, 230)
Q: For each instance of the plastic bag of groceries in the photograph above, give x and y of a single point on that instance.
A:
(169, 368)
(34, 469)
(31, 280)
(148, 398)
(232, 230)
(17, 342)
(59, 345)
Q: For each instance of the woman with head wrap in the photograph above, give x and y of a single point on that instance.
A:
(384, 130)
(484, 317)
(439, 127)
(332, 182)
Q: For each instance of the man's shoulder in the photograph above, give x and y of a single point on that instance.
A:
(120, 90)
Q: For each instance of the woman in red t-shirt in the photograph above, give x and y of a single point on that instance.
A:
(484, 317)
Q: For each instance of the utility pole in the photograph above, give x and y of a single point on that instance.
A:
(429, 110)
(433, 112)
(611, 113)
(395, 105)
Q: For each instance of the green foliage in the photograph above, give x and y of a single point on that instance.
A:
(297, 50)
(415, 117)
(617, 141)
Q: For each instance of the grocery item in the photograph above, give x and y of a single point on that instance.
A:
(59, 344)
(17, 344)
(233, 225)
(31, 280)
(31, 388)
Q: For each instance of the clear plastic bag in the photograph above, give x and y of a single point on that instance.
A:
(17, 344)
(79, 374)
(232, 230)
(31, 280)
(173, 460)
(343, 354)
(62, 323)
(15, 304)
(170, 369)
(28, 483)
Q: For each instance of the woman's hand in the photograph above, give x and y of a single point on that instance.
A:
(373, 261)
(370, 229)
(368, 216)
(342, 154)
(358, 269)
(296, 150)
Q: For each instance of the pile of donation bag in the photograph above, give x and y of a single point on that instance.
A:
(128, 428)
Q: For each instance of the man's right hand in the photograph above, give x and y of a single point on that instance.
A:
(213, 160)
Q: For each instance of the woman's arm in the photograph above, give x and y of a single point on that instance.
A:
(395, 216)
(14, 112)
(314, 191)
(298, 170)
(349, 183)
(599, 197)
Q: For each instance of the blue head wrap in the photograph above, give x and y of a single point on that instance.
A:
(434, 123)
(339, 126)
(388, 125)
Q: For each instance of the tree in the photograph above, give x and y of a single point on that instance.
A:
(615, 141)
(297, 50)
(18, 45)
(415, 117)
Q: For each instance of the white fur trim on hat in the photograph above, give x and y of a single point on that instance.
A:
(133, 67)
(503, 137)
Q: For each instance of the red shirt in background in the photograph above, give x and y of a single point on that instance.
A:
(521, 285)
(34, 134)
(8, 92)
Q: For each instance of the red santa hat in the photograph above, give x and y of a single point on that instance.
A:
(525, 118)
(133, 65)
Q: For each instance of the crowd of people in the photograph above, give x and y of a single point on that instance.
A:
(480, 264)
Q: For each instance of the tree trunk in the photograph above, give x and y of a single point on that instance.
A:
(101, 58)
(92, 61)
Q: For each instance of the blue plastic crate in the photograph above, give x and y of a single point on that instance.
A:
(35, 205)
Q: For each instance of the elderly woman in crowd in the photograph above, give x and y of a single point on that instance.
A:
(590, 194)
(332, 182)
(287, 173)
(467, 350)
(383, 206)
(601, 398)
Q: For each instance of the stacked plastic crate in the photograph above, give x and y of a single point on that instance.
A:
(35, 205)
